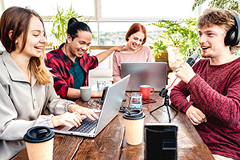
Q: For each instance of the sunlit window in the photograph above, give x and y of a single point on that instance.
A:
(146, 8)
(110, 19)
(113, 33)
(49, 7)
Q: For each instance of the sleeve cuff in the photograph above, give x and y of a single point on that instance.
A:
(185, 108)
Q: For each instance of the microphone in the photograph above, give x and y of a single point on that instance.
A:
(163, 93)
(191, 60)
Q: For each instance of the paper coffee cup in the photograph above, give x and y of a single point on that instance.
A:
(39, 143)
(134, 122)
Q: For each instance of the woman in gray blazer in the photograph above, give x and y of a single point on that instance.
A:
(26, 85)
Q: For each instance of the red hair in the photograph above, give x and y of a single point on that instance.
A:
(136, 27)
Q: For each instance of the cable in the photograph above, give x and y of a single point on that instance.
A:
(172, 83)
(167, 88)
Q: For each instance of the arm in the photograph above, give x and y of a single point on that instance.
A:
(102, 56)
(116, 69)
(223, 105)
(61, 108)
(11, 126)
(178, 97)
(60, 84)
(62, 87)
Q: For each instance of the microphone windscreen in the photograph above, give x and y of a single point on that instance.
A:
(191, 60)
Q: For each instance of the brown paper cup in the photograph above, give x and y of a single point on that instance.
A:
(40, 151)
(134, 121)
(134, 131)
(39, 143)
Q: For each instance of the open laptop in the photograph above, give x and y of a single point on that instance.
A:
(145, 73)
(112, 100)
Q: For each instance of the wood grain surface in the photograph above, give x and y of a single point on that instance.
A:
(111, 143)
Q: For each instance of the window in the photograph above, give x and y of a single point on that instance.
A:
(144, 10)
(110, 19)
(49, 7)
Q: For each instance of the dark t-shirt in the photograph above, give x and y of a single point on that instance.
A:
(77, 73)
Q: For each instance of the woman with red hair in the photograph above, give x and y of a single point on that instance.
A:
(136, 51)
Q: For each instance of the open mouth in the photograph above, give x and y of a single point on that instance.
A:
(38, 48)
(80, 52)
(134, 45)
(205, 48)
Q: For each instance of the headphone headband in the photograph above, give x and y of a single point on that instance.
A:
(233, 35)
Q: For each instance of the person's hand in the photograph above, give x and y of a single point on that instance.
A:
(97, 93)
(195, 115)
(75, 118)
(120, 48)
(83, 111)
(185, 72)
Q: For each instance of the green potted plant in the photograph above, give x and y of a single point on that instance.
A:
(60, 22)
(179, 36)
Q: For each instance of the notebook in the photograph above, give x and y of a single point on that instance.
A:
(145, 73)
(112, 100)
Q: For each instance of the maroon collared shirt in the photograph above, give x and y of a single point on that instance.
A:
(60, 65)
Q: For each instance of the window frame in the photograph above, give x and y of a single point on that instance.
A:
(98, 18)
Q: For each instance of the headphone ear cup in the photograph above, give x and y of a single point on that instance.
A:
(233, 35)
(230, 37)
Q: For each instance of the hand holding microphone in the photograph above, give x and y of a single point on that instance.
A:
(184, 71)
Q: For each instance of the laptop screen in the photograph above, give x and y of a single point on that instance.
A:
(145, 73)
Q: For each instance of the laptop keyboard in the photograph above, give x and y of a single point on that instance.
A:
(86, 125)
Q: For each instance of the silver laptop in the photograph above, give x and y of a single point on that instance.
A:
(111, 104)
(145, 73)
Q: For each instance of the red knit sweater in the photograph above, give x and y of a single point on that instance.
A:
(215, 90)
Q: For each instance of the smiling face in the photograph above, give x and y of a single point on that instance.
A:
(135, 41)
(80, 44)
(35, 39)
(211, 40)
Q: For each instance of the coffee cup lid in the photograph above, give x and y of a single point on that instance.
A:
(38, 134)
(134, 114)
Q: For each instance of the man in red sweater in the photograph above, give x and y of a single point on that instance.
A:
(213, 85)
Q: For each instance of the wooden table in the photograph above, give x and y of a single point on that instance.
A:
(111, 142)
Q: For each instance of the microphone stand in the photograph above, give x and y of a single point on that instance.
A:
(191, 60)
(164, 95)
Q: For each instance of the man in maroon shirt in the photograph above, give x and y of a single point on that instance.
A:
(213, 85)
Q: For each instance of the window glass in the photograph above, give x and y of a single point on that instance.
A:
(150, 8)
(49, 7)
(92, 25)
(113, 33)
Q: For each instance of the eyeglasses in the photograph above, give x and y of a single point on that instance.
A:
(95, 103)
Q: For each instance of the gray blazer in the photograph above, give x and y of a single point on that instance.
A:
(21, 105)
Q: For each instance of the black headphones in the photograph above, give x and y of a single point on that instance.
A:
(233, 35)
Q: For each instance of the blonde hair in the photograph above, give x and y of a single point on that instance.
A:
(17, 19)
(39, 69)
(219, 17)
